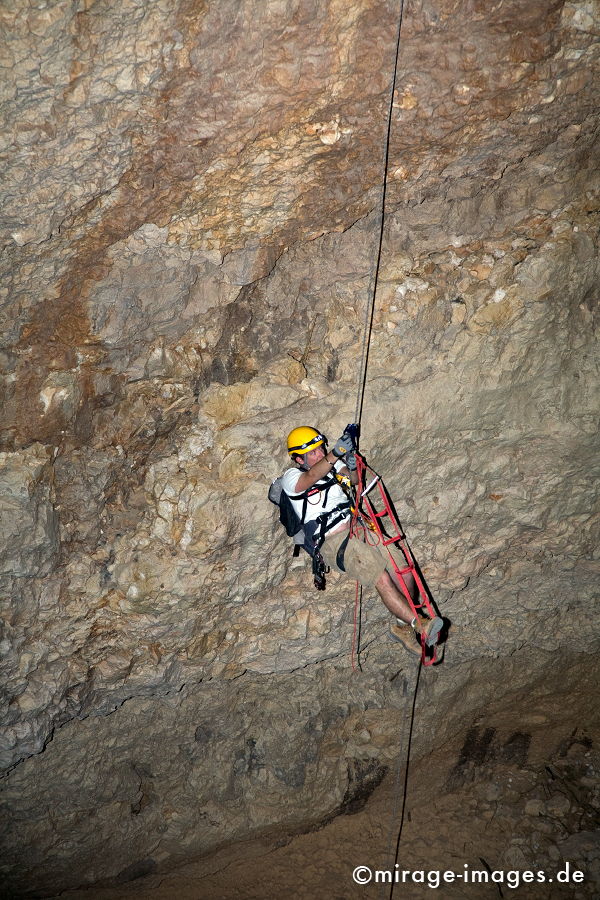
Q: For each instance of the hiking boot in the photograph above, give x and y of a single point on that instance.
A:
(406, 636)
(430, 628)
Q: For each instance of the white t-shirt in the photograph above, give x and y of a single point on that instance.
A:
(316, 495)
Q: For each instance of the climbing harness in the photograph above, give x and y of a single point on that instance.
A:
(310, 535)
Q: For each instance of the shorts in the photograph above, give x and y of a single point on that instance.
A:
(363, 562)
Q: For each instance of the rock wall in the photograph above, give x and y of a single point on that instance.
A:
(190, 223)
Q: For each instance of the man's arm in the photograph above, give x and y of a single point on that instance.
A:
(342, 446)
(319, 470)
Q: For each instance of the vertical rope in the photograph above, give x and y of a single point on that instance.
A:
(355, 653)
(406, 769)
(362, 383)
(401, 784)
(374, 274)
(368, 327)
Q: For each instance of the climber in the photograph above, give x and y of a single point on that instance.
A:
(322, 505)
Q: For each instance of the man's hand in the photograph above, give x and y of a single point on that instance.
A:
(351, 461)
(343, 445)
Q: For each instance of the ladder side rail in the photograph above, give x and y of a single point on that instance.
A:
(374, 517)
(410, 567)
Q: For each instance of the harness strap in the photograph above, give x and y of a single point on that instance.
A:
(327, 521)
(339, 557)
(326, 483)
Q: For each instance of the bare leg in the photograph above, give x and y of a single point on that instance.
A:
(408, 580)
(390, 592)
(393, 599)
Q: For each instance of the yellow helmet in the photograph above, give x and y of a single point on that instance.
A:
(303, 439)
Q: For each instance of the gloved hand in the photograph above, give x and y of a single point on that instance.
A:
(343, 445)
(351, 461)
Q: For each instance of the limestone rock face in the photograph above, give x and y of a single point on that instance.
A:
(30, 539)
(191, 209)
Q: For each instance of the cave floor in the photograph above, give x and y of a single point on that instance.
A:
(505, 797)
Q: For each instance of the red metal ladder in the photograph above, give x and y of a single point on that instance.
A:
(372, 512)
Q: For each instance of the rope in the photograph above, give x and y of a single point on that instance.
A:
(368, 327)
(392, 865)
(374, 274)
(355, 658)
(362, 383)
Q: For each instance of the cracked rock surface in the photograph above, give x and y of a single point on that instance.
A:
(511, 804)
(190, 220)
